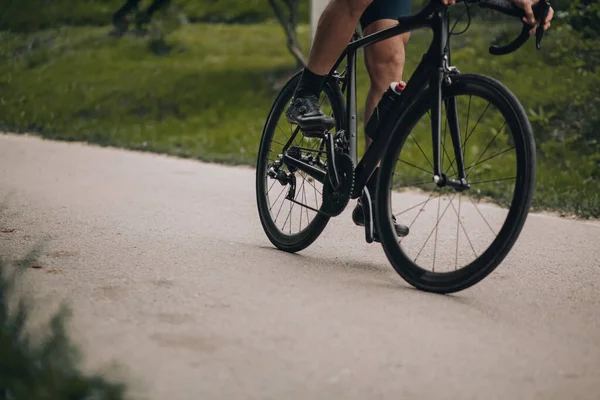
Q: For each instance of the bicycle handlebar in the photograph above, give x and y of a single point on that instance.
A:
(540, 10)
(503, 6)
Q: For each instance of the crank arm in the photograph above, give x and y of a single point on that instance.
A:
(367, 207)
(334, 179)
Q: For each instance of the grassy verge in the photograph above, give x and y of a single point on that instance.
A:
(207, 94)
(33, 15)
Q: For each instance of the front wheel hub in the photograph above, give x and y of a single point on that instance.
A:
(460, 185)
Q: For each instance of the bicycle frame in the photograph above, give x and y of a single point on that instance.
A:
(431, 73)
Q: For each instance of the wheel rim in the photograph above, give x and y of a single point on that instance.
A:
(451, 233)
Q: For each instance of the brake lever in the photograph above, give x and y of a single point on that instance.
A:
(544, 8)
(541, 12)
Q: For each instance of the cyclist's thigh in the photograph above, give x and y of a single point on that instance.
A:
(385, 9)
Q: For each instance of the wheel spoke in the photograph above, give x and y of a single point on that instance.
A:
(416, 183)
(290, 213)
(305, 202)
(469, 134)
(286, 136)
(314, 187)
(465, 231)
(292, 204)
(273, 184)
(476, 124)
(422, 152)
(421, 210)
(485, 219)
(411, 208)
(492, 180)
(491, 157)
(275, 202)
(486, 160)
(280, 207)
(414, 166)
(487, 147)
(434, 228)
(315, 191)
(436, 232)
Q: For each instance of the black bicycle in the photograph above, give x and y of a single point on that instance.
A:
(462, 182)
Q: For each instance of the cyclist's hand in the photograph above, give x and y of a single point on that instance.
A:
(529, 18)
(449, 2)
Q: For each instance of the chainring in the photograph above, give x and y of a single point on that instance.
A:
(334, 202)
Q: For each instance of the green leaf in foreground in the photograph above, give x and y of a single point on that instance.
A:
(41, 366)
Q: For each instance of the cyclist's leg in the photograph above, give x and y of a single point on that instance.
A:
(385, 59)
(334, 30)
(385, 63)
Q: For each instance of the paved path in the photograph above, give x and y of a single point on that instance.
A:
(170, 275)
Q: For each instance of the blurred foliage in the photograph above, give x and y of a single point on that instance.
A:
(584, 17)
(33, 15)
(43, 366)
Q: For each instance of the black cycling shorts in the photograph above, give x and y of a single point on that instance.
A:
(384, 9)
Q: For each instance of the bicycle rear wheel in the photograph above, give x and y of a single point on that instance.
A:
(457, 238)
(290, 226)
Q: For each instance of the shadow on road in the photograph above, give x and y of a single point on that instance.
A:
(366, 274)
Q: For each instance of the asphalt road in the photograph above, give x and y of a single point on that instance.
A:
(170, 276)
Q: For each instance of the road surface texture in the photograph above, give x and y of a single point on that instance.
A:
(171, 278)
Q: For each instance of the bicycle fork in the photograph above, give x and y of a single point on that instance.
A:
(440, 55)
(440, 177)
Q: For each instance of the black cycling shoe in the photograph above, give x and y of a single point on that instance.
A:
(359, 219)
(306, 112)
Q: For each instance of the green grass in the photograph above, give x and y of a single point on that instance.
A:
(207, 99)
(208, 95)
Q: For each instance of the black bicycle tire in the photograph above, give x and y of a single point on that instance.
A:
(303, 239)
(483, 265)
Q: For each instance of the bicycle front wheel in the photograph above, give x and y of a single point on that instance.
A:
(457, 238)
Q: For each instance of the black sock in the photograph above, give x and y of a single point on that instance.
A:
(310, 84)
